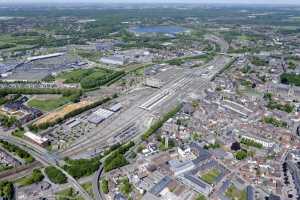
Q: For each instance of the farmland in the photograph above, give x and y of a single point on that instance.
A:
(61, 113)
(48, 104)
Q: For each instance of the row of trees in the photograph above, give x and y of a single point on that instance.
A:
(63, 91)
(116, 159)
(275, 122)
(228, 66)
(252, 143)
(43, 126)
(272, 104)
(160, 122)
(18, 151)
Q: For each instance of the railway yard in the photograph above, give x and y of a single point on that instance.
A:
(171, 103)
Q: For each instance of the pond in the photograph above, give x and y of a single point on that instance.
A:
(159, 29)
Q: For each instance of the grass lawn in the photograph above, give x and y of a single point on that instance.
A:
(93, 56)
(88, 188)
(35, 177)
(22, 181)
(140, 70)
(234, 194)
(210, 176)
(18, 133)
(68, 194)
(75, 76)
(17, 42)
(49, 104)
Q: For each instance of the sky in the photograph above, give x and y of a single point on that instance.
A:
(158, 1)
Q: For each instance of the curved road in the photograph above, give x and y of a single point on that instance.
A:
(96, 189)
(46, 159)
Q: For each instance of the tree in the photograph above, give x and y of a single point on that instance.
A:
(200, 197)
(81, 167)
(195, 136)
(36, 176)
(55, 175)
(115, 161)
(241, 154)
(104, 186)
(140, 148)
(126, 187)
(6, 190)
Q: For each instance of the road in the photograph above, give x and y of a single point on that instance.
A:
(47, 159)
(96, 189)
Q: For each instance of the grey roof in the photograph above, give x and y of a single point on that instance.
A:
(250, 192)
(95, 119)
(178, 164)
(149, 196)
(162, 184)
(203, 154)
(116, 107)
(181, 167)
(196, 181)
(224, 187)
(274, 197)
(119, 196)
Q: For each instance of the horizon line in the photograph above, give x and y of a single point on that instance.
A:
(148, 3)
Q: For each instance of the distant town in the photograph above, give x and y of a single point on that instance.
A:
(149, 102)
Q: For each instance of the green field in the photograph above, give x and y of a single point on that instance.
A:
(18, 133)
(90, 78)
(90, 55)
(234, 194)
(17, 42)
(210, 176)
(88, 187)
(77, 75)
(49, 104)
